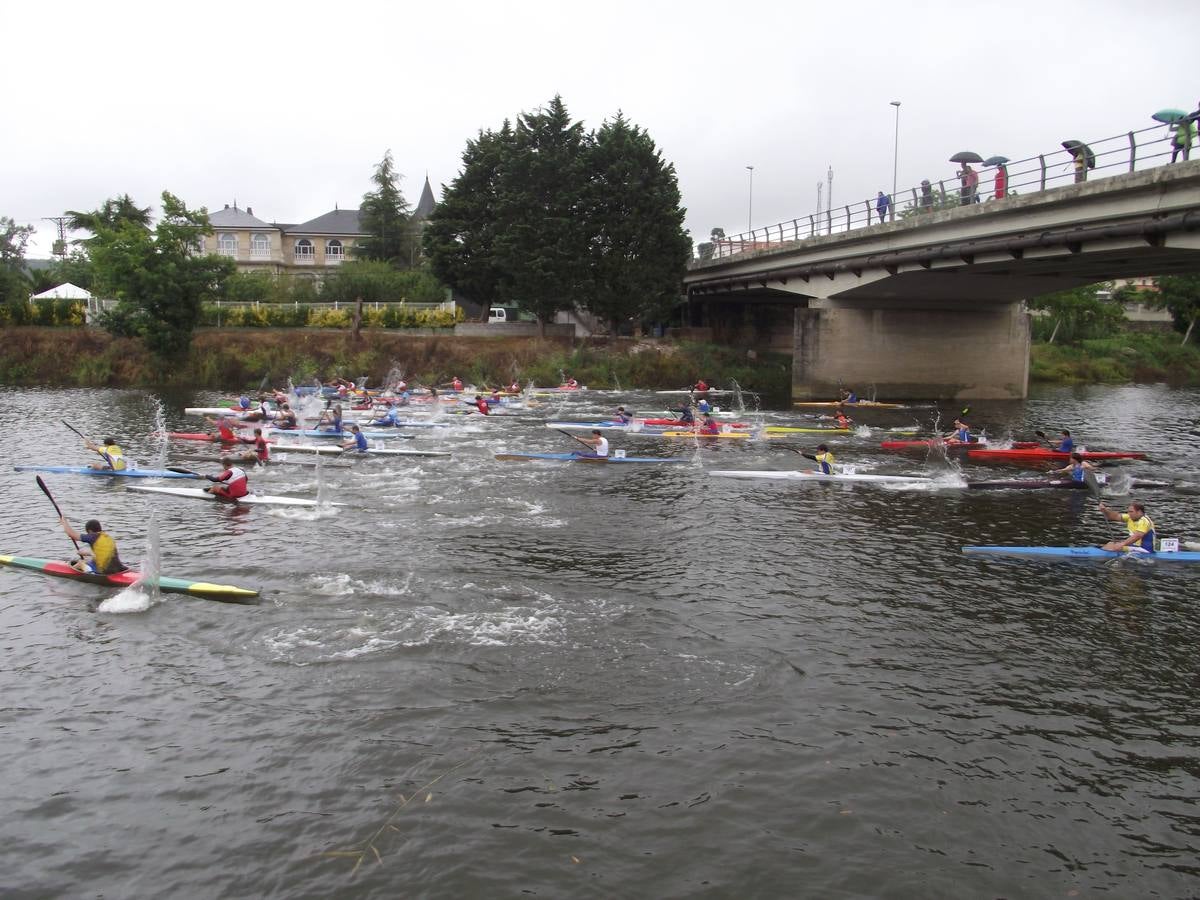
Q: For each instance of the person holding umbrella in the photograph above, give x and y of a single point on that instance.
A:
(1000, 185)
(1181, 140)
(968, 177)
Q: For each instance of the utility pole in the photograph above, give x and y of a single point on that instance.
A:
(60, 245)
(820, 198)
(895, 161)
(829, 198)
(750, 208)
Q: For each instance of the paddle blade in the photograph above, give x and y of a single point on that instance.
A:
(1093, 486)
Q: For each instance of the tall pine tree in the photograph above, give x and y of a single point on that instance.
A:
(384, 216)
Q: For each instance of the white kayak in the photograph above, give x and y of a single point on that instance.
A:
(811, 475)
(251, 499)
(279, 449)
(693, 391)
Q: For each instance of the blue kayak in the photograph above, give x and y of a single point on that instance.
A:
(343, 435)
(1183, 556)
(576, 457)
(109, 473)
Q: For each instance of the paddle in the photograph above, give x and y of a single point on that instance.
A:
(76, 430)
(104, 456)
(794, 450)
(574, 438)
(183, 471)
(50, 497)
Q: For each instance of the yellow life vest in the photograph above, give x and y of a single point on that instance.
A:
(114, 456)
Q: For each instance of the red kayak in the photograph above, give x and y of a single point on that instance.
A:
(951, 446)
(205, 436)
(1045, 455)
(687, 424)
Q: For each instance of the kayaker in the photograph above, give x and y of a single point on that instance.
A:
(843, 420)
(849, 397)
(103, 549)
(286, 417)
(961, 433)
(701, 387)
(231, 483)
(110, 452)
(1065, 443)
(481, 405)
(703, 406)
(622, 416)
(262, 450)
(708, 425)
(456, 384)
(1078, 468)
(244, 402)
(598, 442)
(571, 384)
(357, 440)
(389, 418)
(333, 418)
(824, 459)
(224, 433)
(686, 417)
(1141, 529)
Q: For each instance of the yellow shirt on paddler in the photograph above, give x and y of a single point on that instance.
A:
(114, 456)
(825, 462)
(1143, 526)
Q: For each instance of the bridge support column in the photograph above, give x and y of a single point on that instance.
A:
(896, 350)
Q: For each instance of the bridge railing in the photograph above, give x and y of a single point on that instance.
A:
(1121, 153)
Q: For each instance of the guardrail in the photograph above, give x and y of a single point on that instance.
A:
(1129, 152)
(444, 306)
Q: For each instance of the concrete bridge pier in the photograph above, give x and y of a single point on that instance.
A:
(907, 349)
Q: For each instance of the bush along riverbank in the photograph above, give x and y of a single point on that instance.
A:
(240, 359)
(1129, 356)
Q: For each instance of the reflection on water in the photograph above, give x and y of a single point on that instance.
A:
(564, 679)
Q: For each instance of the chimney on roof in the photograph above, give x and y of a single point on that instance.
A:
(227, 206)
(250, 210)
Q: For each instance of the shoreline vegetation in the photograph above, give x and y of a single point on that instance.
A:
(238, 359)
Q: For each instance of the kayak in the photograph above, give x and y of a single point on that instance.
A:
(249, 499)
(649, 426)
(1183, 556)
(281, 449)
(1045, 455)
(951, 447)
(214, 411)
(575, 457)
(812, 475)
(833, 403)
(693, 391)
(344, 435)
(109, 473)
(797, 429)
(199, 436)
(225, 592)
(700, 434)
(1064, 484)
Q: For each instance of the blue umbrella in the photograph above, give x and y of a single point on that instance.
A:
(995, 160)
(1169, 116)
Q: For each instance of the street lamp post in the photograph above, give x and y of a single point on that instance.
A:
(750, 207)
(895, 159)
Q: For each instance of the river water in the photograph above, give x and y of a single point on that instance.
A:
(485, 678)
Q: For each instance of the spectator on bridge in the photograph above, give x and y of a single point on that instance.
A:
(926, 196)
(1080, 166)
(882, 202)
(1181, 140)
(970, 185)
(1001, 183)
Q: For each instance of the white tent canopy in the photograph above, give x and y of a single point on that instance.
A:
(65, 291)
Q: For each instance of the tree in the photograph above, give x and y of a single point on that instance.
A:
(1080, 313)
(14, 285)
(115, 212)
(156, 277)
(385, 217)
(1180, 294)
(639, 249)
(542, 242)
(460, 235)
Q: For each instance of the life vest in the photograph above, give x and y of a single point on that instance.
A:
(235, 483)
(825, 462)
(114, 456)
(1145, 525)
(458, 385)
(482, 406)
(104, 553)
(262, 448)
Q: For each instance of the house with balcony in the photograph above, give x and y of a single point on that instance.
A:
(310, 248)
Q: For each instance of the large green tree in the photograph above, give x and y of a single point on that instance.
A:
(157, 278)
(113, 213)
(1180, 294)
(460, 235)
(638, 247)
(542, 243)
(384, 215)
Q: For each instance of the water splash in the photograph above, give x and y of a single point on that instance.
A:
(322, 500)
(143, 593)
(160, 434)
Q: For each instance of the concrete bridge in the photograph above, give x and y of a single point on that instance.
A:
(932, 305)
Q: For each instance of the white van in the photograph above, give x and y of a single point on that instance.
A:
(497, 315)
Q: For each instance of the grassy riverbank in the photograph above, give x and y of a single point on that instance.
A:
(236, 359)
(1129, 356)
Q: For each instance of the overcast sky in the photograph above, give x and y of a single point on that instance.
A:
(287, 107)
